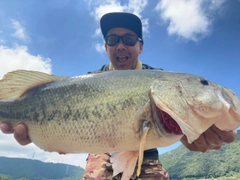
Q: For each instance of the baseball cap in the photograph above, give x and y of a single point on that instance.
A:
(123, 20)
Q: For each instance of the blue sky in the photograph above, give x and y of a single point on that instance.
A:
(200, 37)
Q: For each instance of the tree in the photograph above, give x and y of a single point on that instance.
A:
(3, 177)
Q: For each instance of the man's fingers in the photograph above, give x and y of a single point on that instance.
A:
(225, 136)
(212, 138)
(21, 134)
(198, 145)
(206, 141)
(6, 128)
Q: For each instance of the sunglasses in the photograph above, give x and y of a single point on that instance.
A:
(129, 40)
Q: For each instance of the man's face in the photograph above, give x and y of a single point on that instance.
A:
(123, 57)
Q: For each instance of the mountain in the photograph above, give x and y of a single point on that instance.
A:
(16, 168)
(182, 163)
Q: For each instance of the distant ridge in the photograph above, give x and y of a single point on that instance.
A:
(16, 168)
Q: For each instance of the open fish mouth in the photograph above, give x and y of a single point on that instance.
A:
(168, 123)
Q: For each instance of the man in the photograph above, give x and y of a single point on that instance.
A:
(123, 43)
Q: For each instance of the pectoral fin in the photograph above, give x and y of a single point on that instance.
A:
(146, 127)
(124, 162)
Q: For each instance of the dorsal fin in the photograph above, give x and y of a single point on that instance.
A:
(15, 83)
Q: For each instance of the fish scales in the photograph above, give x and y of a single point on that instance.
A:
(79, 114)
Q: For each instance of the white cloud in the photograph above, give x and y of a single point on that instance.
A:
(185, 17)
(189, 19)
(106, 7)
(137, 6)
(20, 32)
(145, 26)
(19, 58)
(2, 41)
(10, 148)
(73, 159)
(97, 32)
(100, 47)
(214, 4)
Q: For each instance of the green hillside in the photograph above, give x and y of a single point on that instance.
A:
(17, 168)
(182, 163)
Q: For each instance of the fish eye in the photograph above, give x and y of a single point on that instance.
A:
(204, 82)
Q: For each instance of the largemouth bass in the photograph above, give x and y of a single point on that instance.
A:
(117, 111)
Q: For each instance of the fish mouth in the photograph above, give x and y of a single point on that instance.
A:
(167, 122)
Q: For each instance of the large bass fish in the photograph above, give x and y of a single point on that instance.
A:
(117, 111)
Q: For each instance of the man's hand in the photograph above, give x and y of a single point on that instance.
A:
(212, 138)
(20, 132)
